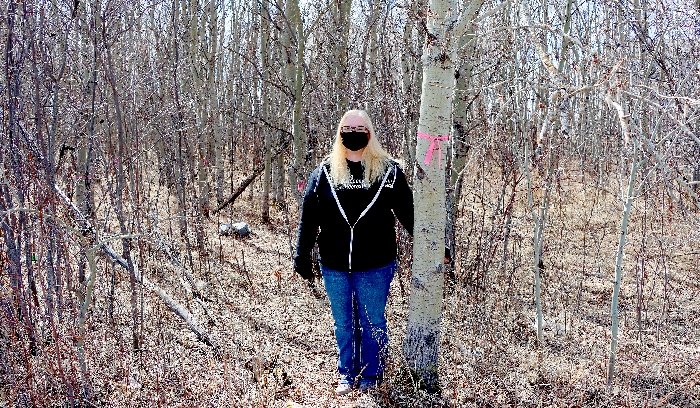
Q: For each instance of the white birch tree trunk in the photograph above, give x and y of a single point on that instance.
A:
(423, 328)
(265, 107)
(614, 312)
(214, 75)
(294, 42)
(298, 172)
(341, 17)
(618, 274)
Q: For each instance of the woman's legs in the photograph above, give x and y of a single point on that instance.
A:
(358, 302)
(371, 290)
(356, 338)
(339, 288)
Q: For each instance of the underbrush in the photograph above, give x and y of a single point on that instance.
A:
(274, 339)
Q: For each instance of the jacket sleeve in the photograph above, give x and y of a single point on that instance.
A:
(403, 201)
(308, 228)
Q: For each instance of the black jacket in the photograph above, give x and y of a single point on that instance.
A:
(371, 243)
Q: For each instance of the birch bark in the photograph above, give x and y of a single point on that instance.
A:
(341, 16)
(264, 51)
(423, 328)
(297, 130)
(614, 312)
(214, 74)
(459, 142)
(618, 273)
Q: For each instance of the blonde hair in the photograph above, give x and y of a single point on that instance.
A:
(374, 158)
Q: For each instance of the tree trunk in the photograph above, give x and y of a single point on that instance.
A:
(631, 194)
(341, 18)
(215, 68)
(369, 68)
(265, 107)
(459, 142)
(423, 328)
(118, 199)
(618, 273)
(294, 72)
(83, 187)
(14, 231)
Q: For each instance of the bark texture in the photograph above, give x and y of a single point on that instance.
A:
(427, 282)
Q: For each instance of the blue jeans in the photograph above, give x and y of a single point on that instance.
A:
(358, 301)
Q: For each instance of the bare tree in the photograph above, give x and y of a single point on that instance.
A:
(423, 329)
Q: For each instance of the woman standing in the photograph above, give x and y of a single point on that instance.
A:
(353, 197)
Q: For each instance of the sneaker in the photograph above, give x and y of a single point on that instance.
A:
(344, 386)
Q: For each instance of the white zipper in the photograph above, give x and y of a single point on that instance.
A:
(352, 229)
(340, 207)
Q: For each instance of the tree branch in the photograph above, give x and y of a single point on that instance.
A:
(178, 309)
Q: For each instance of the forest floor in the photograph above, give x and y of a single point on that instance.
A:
(275, 335)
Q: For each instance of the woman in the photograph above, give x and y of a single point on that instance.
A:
(353, 197)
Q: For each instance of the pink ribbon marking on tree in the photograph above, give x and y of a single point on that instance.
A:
(434, 140)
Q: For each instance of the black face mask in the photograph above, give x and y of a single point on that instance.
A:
(355, 140)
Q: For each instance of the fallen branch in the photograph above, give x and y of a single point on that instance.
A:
(178, 309)
(192, 288)
(182, 312)
(196, 294)
(251, 177)
(242, 187)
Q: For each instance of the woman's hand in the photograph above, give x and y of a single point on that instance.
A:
(304, 269)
